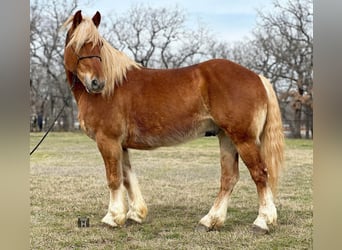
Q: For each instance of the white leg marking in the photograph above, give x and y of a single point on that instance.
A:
(217, 214)
(137, 206)
(229, 177)
(116, 215)
(267, 211)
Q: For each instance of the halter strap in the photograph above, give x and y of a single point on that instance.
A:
(79, 58)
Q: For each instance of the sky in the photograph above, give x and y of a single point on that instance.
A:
(229, 20)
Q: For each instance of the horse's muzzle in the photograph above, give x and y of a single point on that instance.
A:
(95, 86)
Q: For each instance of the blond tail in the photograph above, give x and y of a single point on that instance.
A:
(272, 138)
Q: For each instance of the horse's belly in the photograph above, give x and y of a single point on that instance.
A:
(170, 135)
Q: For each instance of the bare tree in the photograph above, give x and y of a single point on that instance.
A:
(286, 38)
(157, 37)
(282, 50)
(48, 88)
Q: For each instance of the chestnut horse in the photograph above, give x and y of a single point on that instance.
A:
(123, 105)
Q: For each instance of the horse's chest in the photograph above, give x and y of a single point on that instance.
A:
(87, 128)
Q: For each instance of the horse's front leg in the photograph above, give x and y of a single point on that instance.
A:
(111, 152)
(137, 206)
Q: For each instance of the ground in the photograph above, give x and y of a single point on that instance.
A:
(179, 184)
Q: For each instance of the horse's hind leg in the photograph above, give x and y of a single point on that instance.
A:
(229, 177)
(250, 154)
(137, 206)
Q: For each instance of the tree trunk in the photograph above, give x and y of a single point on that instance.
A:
(297, 120)
(67, 119)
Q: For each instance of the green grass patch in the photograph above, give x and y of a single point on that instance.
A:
(299, 143)
(179, 185)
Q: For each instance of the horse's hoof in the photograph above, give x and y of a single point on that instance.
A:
(109, 220)
(259, 230)
(202, 228)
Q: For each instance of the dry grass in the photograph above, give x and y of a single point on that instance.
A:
(179, 185)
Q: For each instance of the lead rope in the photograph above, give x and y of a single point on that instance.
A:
(58, 115)
(47, 132)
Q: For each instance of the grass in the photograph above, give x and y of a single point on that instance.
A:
(179, 185)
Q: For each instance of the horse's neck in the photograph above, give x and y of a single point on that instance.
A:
(76, 86)
(77, 91)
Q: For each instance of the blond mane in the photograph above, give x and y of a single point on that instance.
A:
(115, 63)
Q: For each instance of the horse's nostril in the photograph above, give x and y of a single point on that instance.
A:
(94, 84)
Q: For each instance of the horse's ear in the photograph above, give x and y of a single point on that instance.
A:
(97, 19)
(77, 19)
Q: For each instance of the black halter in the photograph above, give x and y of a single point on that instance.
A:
(79, 58)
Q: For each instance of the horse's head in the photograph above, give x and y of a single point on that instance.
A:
(82, 55)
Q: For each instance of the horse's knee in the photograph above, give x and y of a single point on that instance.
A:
(114, 182)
